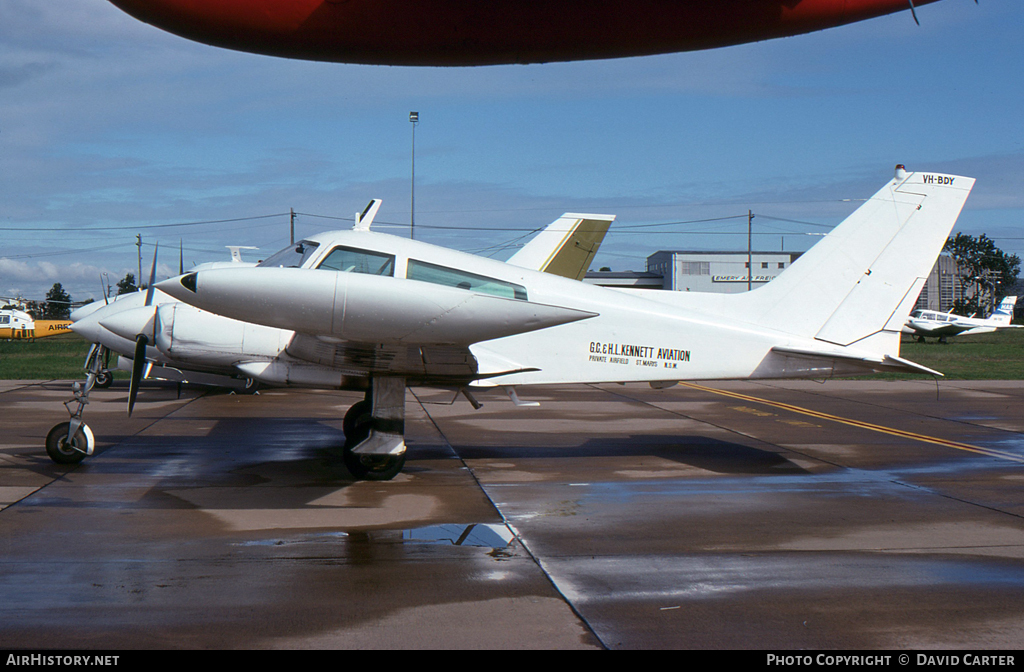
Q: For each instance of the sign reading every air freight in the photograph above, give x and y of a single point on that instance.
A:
(741, 278)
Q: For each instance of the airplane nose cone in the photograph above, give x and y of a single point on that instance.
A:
(88, 327)
(83, 312)
(130, 323)
(182, 287)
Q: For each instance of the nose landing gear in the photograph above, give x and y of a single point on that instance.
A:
(71, 442)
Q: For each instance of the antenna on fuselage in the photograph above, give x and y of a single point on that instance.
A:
(365, 218)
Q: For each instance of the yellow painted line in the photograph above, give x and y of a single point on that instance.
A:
(859, 423)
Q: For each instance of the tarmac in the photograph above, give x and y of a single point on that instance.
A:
(723, 515)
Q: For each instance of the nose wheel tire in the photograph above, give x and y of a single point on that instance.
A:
(65, 450)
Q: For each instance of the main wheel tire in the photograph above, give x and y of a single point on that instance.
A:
(369, 467)
(358, 414)
(104, 379)
(63, 451)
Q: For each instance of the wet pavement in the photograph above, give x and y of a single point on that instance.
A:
(849, 514)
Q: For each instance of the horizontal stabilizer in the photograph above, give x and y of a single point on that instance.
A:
(886, 363)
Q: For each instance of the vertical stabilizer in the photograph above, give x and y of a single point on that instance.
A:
(1004, 313)
(566, 247)
(859, 283)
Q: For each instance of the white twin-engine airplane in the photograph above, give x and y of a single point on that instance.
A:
(940, 325)
(365, 310)
(154, 333)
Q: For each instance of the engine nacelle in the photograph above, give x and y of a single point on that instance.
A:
(188, 335)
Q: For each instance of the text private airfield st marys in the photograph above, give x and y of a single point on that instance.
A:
(369, 311)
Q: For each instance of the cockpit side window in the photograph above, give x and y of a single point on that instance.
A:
(351, 260)
(451, 277)
(293, 256)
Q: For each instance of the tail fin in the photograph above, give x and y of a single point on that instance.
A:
(566, 247)
(1004, 313)
(860, 282)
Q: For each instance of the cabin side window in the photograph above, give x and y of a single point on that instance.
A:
(451, 277)
(351, 260)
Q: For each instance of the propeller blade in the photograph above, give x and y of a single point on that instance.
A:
(138, 364)
(152, 277)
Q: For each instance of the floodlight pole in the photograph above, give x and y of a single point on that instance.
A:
(414, 118)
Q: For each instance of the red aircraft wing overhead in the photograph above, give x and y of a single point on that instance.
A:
(488, 32)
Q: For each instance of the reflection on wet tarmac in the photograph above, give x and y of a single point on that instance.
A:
(478, 535)
(711, 576)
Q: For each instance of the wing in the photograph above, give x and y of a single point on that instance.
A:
(421, 364)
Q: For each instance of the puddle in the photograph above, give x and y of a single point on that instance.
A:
(302, 539)
(478, 535)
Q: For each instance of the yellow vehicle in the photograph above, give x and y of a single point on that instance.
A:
(18, 324)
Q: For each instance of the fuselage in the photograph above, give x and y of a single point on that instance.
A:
(17, 324)
(479, 32)
(413, 307)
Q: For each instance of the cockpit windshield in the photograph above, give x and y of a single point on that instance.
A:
(293, 256)
(351, 260)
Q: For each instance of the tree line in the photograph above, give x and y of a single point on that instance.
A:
(57, 305)
(984, 275)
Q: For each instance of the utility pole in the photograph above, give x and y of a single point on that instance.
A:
(138, 244)
(414, 118)
(291, 237)
(750, 250)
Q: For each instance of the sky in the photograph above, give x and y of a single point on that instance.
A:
(112, 129)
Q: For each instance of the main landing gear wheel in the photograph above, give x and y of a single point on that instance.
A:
(104, 379)
(64, 451)
(358, 414)
(369, 467)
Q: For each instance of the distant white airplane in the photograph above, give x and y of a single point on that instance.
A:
(924, 323)
(185, 344)
(397, 312)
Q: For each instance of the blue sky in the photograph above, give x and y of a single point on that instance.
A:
(111, 128)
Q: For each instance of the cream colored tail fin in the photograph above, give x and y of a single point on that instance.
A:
(566, 247)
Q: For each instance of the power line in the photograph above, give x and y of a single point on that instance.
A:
(135, 227)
